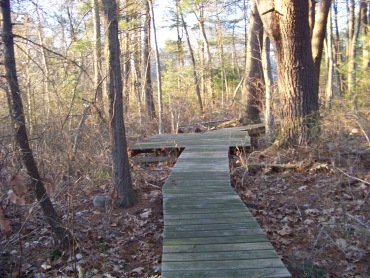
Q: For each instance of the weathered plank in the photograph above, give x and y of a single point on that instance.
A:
(229, 273)
(220, 256)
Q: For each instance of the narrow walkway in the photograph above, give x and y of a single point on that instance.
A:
(208, 231)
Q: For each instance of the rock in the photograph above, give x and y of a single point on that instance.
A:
(158, 270)
(99, 201)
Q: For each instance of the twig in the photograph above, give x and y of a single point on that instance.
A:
(316, 241)
(299, 211)
(362, 129)
(358, 221)
(352, 177)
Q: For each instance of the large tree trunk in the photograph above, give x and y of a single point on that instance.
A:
(286, 22)
(121, 166)
(253, 70)
(147, 87)
(20, 130)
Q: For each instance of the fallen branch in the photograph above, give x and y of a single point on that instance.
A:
(352, 177)
(281, 166)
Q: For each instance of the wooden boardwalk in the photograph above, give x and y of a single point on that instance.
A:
(208, 231)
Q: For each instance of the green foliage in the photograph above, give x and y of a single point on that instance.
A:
(54, 254)
(305, 269)
(81, 45)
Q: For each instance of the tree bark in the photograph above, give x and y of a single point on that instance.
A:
(97, 54)
(330, 64)
(318, 34)
(253, 71)
(20, 130)
(158, 69)
(267, 73)
(353, 32)
(365, 36)
(121, 166)
(286, 22)
(338, 51)
(147, 87)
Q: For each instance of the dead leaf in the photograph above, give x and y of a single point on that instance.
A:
(15, 199)
(286, 230)
(18, 185)
(50, 186)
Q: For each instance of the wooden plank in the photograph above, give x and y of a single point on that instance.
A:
(280, 272)
(225, 264)
(213, 240)
(203, 248)
(220, 256)
(210, 227)
(194, 211)
(213, 233)
(182, 222)
(207, 215)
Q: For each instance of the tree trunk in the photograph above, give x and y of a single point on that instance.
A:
(354, 29)
(20, 130)
(147, 87)
(253, 71)
(318, 34)
(195, 75)
(97, 54)
(296, 72)
(365, 36)
(121, 166)
(338, 52)
(267, 73)
(46, 87)
(311, 15)
(158, 69)
(330, 64)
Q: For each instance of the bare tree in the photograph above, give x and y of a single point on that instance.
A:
(354, 24)
(195, 74)
(20, 130)
(158, 68)
(121, 166)
(97, 53)
(148, 90)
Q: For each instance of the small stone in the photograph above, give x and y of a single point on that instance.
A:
(99, 201)
(158, 270)
(79, 257)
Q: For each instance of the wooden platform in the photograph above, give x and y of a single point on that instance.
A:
(208, 231)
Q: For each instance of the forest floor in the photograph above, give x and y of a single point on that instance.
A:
(313, 203)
